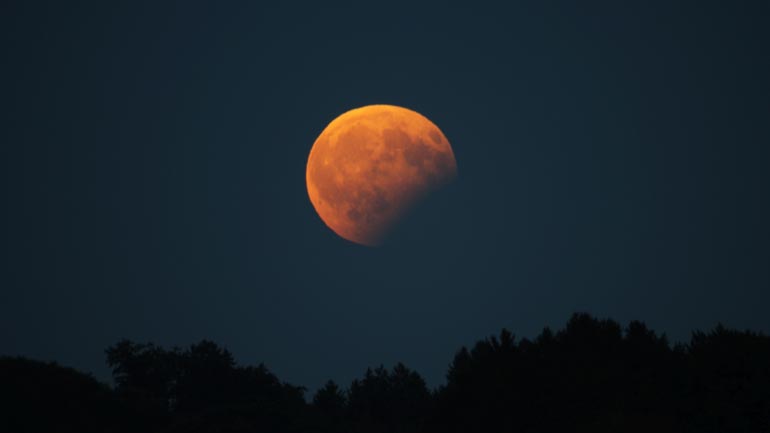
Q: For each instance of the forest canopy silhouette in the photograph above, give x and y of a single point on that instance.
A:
(591, 376)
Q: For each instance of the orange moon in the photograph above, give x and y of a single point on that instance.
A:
(369, 167)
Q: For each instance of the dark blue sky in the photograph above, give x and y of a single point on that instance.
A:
(613, 158)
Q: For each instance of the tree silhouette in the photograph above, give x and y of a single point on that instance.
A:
(45, 397)
(144, 375)
(330, 404)
(202, 389)
(590, 376)
(729, 381)
(389, 401)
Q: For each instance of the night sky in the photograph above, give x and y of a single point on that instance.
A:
(612, 158)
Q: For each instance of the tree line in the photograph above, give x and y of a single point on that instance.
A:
(590, 376)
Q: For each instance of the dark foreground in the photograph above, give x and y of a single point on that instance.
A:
(591, 376)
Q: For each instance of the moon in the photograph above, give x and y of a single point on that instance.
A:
(371, 165)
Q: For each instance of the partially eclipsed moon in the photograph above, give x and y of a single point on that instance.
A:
(370, 165)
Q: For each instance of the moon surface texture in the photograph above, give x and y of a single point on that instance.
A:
(371, 165)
